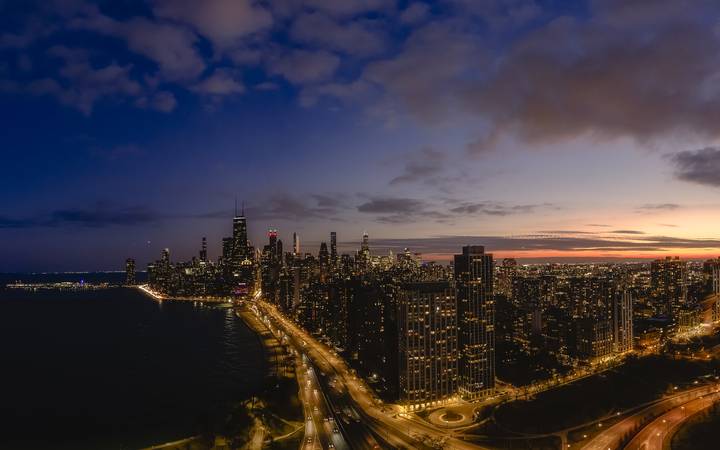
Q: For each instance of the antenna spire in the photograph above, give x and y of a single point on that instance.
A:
(236, 206)
(242, 213)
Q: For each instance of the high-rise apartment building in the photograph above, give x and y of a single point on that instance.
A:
(333, 249)
(130, 272)
(476, 321)
(428, 344)
(622, 317)
(669, 284)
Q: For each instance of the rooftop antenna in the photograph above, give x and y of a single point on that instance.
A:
(236, 206)
(242, 212)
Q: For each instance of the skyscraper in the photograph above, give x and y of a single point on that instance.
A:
(364, 255)
(428, 344)
(239, 238)
(273, 240)
(333, 248)
(130, 272)
(323, 255)
(622, 320)
(296, 244)
(203, 250)
(669, 283)
(476, 321)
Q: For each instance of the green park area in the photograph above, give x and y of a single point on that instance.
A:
(638, 381)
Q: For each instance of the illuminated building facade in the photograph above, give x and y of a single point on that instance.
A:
(428, 343)
(476, 321)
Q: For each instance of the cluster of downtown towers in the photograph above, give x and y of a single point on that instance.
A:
(422, 334)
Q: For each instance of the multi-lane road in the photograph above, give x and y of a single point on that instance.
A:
(613, 436)
(657, 434)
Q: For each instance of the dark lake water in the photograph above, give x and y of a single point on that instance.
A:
(113, 369)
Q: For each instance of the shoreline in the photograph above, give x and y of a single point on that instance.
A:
(144, 288)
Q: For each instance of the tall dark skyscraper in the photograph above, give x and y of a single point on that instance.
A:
(239, 238)
(203, 250)
(273, 240)
(333, 248)
(323, 256)
(476, 321)
(364, 255)
(296, 244)
(130, 272)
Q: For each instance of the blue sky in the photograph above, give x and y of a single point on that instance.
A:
(133, 126)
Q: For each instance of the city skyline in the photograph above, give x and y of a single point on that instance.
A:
(419, 122)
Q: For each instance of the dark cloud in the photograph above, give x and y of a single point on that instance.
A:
(357, 37)
(224, 22)
(627, 232)
(452, 244)
(169, 45)
(304, 66)
(563, 232)
(493, 209)
(425, 165)
(221, 82)
(649, 207)
(698, 166)
(283, 206)
(634, 68)
(401, 210)
(98, 217)
(385, 205)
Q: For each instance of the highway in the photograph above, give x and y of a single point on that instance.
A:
(613, 436)
(384, 422)
(657, 434)
(321, 425)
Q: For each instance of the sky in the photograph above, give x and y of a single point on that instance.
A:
(543, 129)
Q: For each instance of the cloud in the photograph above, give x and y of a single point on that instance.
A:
(220, 83)
(649, 207)
(99, 216)
(494, 209)
(351, 7)
(540, 243)
(415, 13)
(627, 232)
(636, 69)
(359, 38)
(384, 205)
(425, 76)
(170, 46)
(698, 166)
(284, 206)
(163, 101)
(224, 22)
(424, 165)
(399, 210)
(303, 66)
(82, 83)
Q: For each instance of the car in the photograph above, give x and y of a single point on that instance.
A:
(336, 431)
(331, 445)
(309, 418)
